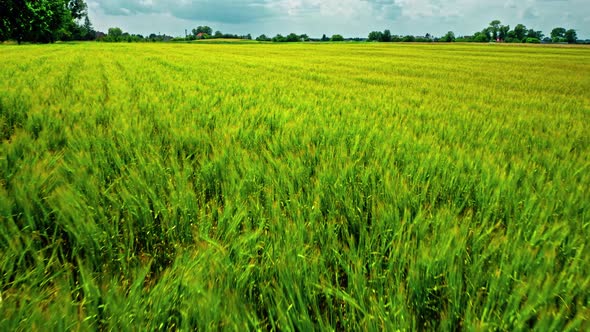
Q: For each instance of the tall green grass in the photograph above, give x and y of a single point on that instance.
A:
(294, 187)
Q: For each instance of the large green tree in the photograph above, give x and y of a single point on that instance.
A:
(40, 20)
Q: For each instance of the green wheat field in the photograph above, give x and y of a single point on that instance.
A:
(296, 187)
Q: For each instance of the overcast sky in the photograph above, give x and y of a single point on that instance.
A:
(351, 18)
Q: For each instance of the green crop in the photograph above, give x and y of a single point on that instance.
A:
(294, 187)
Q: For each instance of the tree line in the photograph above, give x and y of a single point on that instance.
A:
(45, 21)
(494, 32)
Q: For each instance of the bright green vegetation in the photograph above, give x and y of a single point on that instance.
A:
(291, 187)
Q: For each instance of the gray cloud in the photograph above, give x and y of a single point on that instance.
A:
(226, 11)
(124, 8)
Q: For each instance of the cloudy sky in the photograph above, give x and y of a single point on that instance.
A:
(351, 18)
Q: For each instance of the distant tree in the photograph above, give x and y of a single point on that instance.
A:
(218, 34)
(203, 29)
(494, 29)
(232, 36)
(531, 40)
(558, 34)
(304, 37)
(571, 36)
(114, 35)
(263, 37)
(325, 38)
(337, 38)
(449, 37)
(534, 34)
(279, 38)
(386, 37)
(293, 37)
(422, 39)
(503, 32)
(409, 39)
(88, 32)
(481, 37)
(375, 36)
(520, 32)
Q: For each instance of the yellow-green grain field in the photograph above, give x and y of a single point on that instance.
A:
(294, 187)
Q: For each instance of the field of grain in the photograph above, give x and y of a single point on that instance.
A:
(294, 187)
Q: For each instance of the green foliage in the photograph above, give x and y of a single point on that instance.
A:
(337, 38)
(360, 187)
(375, 36)
(570, 36)
(503, 32)
(558, 34)
(386, 37)
(293, 37)
(263, 37)
(205, 30)
(409, 39)
(497, 31)
(42, 21)
(535, 34)
(448, 37)
(481, 37)
(78, 9)
(114, 35)
(520, 32)
(494, 29)
(530, 40)
(279, 38)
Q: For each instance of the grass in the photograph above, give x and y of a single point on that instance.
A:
(294, 187)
